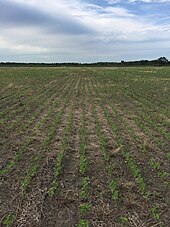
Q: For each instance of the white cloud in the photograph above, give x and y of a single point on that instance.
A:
(117, 11)
(112, 1)
(131, 1)
(67, 29)
(150, 1)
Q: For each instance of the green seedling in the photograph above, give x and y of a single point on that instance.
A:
(114, 191)
(52, 190)
(84, 188)
(29, 176)
(155, 213)
(154, 164)
(59, 164)
(8, 220)
(82, 223)
(168, 155)
(84, 208)
(83, 164)
(109, 169)
(123, 220)
(162, 174)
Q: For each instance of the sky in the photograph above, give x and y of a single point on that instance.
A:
(84, 30)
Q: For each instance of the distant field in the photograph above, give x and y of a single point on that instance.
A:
(85, 147)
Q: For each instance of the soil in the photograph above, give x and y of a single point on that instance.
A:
(35, 208)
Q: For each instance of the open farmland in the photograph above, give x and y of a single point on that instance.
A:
(85, 147)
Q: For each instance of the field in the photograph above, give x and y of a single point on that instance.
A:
(85, 147)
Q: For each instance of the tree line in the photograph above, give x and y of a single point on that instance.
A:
(162, 61)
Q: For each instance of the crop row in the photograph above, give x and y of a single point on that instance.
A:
(64, 144)
(137, 140)
(47, 104)
(138, 122)
(46, 143)
(35, 165)
(133, 167)
(102, 142)
(39, 124)
(23, 107)
(23, 94)
(143, 112)
(84, 190)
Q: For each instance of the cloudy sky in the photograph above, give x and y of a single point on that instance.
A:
(84, 30)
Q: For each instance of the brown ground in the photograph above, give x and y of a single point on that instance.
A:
(36, 208)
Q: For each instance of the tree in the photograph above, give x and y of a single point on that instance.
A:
(163, 60)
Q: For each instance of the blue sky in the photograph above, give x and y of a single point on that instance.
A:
(84, 30)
